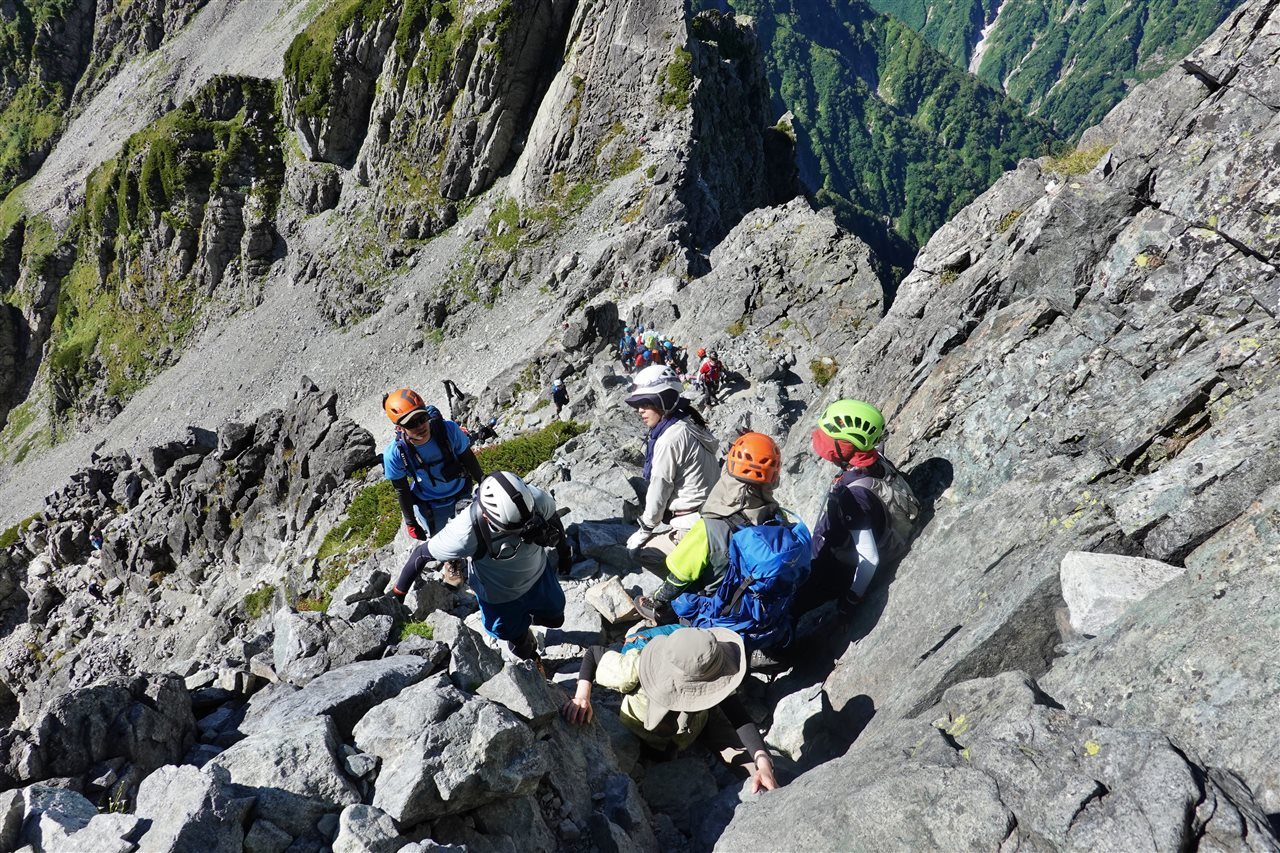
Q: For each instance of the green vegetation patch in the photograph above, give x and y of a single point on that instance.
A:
(1006, 221)
(522, 454)
(308, 62)
(415, 629)
(371, 522)
(1077, 162)
(257, 602)
(823, 370)
(9, 537)
(29, 124)
(678, 81)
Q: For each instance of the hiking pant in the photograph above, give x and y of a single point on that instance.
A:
(829, 580)
(653, 554)
(541, 604)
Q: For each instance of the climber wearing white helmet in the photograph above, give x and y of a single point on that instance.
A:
(680, 464)
(505, 535)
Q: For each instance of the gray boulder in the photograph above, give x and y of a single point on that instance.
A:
(522, 690)
(265, 837)
(472, 660)
(190, 809)
(307, 645)
(364, 829)
(104, 833)
(1099, 587)
(295, 771)
(799, 724)
(612, 601)
(443, 753)
(53, 815)
(343, 694)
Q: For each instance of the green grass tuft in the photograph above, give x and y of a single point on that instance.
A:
(257, 602)
(415, 629)
(1077, 162)
(371, 522)
(823, 370)
(1006, 221)
(679, 81)
(522, 454)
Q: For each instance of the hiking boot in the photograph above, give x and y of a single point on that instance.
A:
(454, 573)
(653, 612)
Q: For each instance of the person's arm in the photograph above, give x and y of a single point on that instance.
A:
(662, 482)
(564, 552)
(578, 708)
(749, 736)
(404, 496)
(471, 465)
(413, 567)
(868, 562)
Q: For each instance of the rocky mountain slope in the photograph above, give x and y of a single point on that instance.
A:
(1079, 373)
(1068, 63)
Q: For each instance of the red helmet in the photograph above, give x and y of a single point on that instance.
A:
(755, 458)
(401, 403)
(702, 351)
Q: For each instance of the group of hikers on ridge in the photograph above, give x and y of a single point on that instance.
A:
(737, 569)
(640, 348)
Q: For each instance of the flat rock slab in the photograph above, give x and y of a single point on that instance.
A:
(1098, 588)
(612, 601)
(345, 694)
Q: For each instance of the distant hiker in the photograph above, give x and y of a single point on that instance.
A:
(627, 349)
(741, 497)
(669, 681)
(639, 362)
(658, 356)
(559, 396)
(679, 464)
(430, 463)
(460, 404)
(506, 534)
(95, 540)
(651, 339)
(870, 513)
(487, 431)
(710, 372)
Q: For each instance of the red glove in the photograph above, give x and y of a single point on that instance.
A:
(415, 532)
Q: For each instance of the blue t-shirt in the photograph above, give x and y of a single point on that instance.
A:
(429, 484)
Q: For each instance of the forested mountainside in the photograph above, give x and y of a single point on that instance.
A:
(1068, 62)
(888, 129)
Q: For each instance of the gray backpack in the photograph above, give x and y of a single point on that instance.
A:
(901, 507)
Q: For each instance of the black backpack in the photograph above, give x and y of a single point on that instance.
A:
(537, 531)
(450, 468)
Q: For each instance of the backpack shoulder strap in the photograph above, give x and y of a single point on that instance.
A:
(408, 457)
(481, 531)
(719, 532)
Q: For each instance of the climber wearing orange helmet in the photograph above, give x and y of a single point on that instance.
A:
(742, 497)
(429, 462)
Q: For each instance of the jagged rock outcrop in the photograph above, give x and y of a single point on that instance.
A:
(1085, 359)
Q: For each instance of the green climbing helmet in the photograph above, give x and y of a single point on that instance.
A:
(854, 421)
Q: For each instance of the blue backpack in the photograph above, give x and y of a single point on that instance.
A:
(767, 565)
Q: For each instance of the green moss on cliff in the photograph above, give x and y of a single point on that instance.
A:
(128, 296)
(29, 124)
(308, 62)
(678, 83)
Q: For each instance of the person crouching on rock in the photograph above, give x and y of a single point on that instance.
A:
(741, 498)
(679, 465)
(506, 535)
(430, 463)
(670, 679)
(870, 513)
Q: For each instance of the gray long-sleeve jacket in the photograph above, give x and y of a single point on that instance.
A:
(684, 470)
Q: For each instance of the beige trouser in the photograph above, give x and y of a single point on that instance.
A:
(653, 554)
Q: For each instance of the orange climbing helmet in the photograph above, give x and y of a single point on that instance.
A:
(755, 458)
(702, 351)
(401, 403)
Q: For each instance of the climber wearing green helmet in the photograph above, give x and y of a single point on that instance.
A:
(870, 511)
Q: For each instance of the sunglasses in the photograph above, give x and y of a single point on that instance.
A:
(415, 422)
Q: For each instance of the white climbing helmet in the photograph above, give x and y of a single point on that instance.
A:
(656, 385)
(505, 501)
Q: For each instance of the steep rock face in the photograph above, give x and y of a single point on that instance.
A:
(189, 204)
(1085, 359)
(330, 71)
(460, 87)
(124, 30)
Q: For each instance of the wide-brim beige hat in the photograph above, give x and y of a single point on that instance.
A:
(690, 669)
